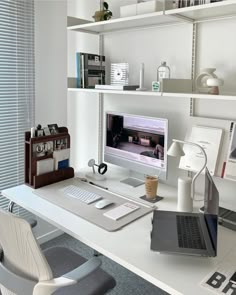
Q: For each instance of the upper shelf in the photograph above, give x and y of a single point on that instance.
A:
(126, 23)
(191, 14)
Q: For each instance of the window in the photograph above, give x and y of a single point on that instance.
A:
(17, 90)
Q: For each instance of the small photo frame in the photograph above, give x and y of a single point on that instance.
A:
(46, 131)
(40, 133)
(53, 129)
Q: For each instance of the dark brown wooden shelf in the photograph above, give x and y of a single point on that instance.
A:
(31, 177)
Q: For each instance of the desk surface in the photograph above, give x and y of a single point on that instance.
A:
(130, 246)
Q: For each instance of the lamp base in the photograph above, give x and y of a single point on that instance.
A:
(185, 202)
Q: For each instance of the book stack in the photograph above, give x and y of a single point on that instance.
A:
(187, 3)
(90, 69)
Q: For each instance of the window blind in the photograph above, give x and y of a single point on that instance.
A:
(17, 89)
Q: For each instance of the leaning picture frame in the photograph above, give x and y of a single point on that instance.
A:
(53, 128)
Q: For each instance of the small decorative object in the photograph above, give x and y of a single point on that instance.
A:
(39, 130)
(103, 14)
(141, 78)
(201, 80)
(119, 73)
(156, 86)
(102, 169)
(214, 84)
(163, 71)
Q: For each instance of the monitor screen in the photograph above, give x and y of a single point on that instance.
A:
(137, 143)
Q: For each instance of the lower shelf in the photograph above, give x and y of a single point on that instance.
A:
(52, 177)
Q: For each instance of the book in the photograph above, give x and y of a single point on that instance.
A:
(221, 279)
(117, 87)
(90, 69)
(209, 138)
(230, 166)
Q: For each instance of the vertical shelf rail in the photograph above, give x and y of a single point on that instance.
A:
(101, 109)
(193, 67)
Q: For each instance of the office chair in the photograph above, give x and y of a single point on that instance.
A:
(26, 270)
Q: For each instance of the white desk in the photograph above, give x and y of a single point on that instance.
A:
(130, 246)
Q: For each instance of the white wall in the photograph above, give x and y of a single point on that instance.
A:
(50, 71)
(51, 62)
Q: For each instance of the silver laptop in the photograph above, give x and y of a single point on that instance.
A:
(188, 233)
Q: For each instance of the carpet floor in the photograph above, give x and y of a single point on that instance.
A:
(127, 282)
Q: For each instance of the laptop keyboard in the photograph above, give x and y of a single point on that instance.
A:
(189, 232)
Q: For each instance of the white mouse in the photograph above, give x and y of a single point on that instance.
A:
(103, 203)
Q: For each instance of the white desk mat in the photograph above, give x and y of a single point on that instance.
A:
(54, 194)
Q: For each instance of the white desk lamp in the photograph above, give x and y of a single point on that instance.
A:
(176, 150)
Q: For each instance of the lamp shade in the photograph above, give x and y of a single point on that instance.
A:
(175, 150)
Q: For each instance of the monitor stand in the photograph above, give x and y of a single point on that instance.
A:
(134, 179)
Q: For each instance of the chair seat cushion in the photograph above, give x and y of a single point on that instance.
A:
(63, 260)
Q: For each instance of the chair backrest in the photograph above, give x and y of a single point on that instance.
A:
(21, 252)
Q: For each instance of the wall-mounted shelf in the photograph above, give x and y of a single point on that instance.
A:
(126, 23)
(207, 11)
(191, 14)
(152, 93)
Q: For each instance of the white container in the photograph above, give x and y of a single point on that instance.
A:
(185, 202)
(176, 85)
(149, 7)
(128, 10)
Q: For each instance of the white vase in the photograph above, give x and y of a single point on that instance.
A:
(201, 79)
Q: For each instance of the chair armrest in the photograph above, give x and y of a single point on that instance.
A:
(68, 279)
(83, 270)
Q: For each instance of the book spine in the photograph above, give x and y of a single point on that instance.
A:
(78, 69)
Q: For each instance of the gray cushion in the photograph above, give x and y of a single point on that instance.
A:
(63, 260)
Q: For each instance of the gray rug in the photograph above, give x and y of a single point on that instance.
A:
(127, 282)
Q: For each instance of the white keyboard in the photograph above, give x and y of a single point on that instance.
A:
(80, 194)
(121, 211)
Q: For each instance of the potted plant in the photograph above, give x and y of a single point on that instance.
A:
(104, 14)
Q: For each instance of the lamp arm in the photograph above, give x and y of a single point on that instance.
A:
(203, 167)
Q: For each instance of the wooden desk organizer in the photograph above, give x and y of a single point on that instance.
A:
(31, 159)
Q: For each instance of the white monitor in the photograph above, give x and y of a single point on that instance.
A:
(137, 143)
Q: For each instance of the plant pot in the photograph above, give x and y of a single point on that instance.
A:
(99, 15)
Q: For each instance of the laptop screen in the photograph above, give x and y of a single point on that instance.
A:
(211, 207)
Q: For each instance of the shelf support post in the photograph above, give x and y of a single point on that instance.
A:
(100, 108)
(193, 67)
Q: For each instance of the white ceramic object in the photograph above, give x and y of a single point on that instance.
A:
(201, 80)
(185, 202)
(214, 84)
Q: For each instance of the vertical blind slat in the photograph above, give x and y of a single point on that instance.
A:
(17, 90)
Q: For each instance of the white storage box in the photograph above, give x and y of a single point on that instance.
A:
(128, 10)
(176, 85)
(149, 7)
